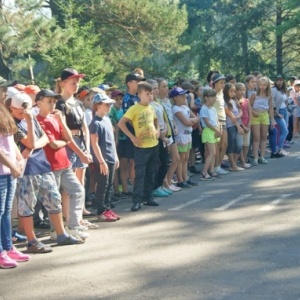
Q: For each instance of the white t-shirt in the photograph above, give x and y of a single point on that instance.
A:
(159, 111)
(210, 113)
(184, 135)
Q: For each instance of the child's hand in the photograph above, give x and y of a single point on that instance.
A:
(273, 123)
(240, 131)
(16, 171)
(103, 168)
(136, 142)
(255, 114)
(218, 134)
(175, 130)
(28, 114)
(86, 158)
(58, 115)
(246, 129)
(26, 153)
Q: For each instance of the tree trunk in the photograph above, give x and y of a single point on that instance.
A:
(244, 42)
(278, 38)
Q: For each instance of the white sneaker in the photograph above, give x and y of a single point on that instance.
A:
(77, 232)
(221, 171)
(174, 188)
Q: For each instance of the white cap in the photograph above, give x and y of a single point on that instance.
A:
(297, 82)
(17, 100)
(12, 91)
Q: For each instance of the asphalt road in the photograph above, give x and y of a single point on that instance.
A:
(234, 238)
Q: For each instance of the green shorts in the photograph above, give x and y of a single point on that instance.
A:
(262, 119)
(208, 136)
(184, 148)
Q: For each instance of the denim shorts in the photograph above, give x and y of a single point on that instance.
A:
(73, 157)
(33, 188)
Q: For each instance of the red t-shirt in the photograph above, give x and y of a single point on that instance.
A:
(58, 159)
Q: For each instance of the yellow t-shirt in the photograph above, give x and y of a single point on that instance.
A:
(219, 105)
(142, 118)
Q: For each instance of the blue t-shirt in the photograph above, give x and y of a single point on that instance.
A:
(37, 163)
(128, 101)
(210, 113)
(106, 140)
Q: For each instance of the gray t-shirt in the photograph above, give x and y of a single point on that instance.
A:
(210, 113)
(106, 140)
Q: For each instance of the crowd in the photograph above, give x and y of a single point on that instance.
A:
(66, 150)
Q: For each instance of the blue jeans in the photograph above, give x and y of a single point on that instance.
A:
(7, 193)
(235, 141)
(283, 131)
(272, 139)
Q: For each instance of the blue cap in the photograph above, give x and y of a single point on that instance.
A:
(102, 98)
(177, 91)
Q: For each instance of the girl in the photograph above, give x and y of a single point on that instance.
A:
(280, 110)
(250, 86)
(166, 103)
(184, 119)
(67, 85)
(246, 118)
(210, 134)
(233, 125)
(11, 164)
(262, 111)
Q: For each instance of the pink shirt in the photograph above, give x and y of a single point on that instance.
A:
(245, 109)
(7, 146)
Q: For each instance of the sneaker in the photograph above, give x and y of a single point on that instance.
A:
(16, 255)
(71, 240)
(277, 154)
(191, 182)
(166, 190)
(254, 162)
(207, 177)
(77, 232)
(89, 225)
(221, 171)
(262, 161)
(16, 237)
(194, 170)
(159, 193)
(38, 247)
(6, 262)
(106, 217)
(183, 185)
(113, 214)
(174, 188)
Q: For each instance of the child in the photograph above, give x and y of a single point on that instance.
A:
(38, 182)
(11, 164)
(163, 99)
(210, 133)
(233, 125)
(218, 83)
(250, 83)
(246, 119)
(145, 140)
(184, 119)
(53, 124)
(105, 156)
(115, 114)
(262, 111)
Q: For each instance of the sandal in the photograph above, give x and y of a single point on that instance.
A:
(89, 225)
(214, 174)
(206, 177)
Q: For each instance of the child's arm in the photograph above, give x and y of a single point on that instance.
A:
(186, 121)
(125, 130)
(192, 102)
(194, 118)
(98, 153)
(251, 101)
(271, 112)
(156, 124)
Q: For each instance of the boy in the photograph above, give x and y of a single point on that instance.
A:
(38, 182)
(105, 156)
(59, 136)
(145, 139)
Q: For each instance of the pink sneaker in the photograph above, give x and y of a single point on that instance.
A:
(17, 255)
(106, 217)
(113, 214)
(6, 262)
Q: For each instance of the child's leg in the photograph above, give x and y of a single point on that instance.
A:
(210, 152)
(174, 163)
(102, 184)
(116, 183)
(256, 139)
(185, 166)
(179, 169)
(263, 142)
(224, 144)
(164, 162)
(110, 180)
(124, 165)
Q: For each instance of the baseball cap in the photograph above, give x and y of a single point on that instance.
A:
(17, 100)
(20, 87)
(102, 98)
(31, 89)
(116, 93)
(217, 77)
(279, 76)
(177, 91)
(70, 73)
(46, 93)
(6, 83)
(11, 91)
(297, 82)
(293, 78)
(133, 76)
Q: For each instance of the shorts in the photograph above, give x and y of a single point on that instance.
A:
(184, 148)
(195, 138)
(125, 149)
(208, 136)
(246, 140)
(33, 188)
(262, 119)
(73, 157)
